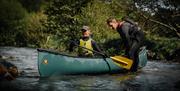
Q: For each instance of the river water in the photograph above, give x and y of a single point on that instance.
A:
(156, 76)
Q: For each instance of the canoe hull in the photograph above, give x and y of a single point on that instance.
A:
(51, 63)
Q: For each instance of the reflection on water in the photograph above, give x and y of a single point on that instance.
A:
(156, 76)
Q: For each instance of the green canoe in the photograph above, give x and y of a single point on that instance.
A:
(51, 63)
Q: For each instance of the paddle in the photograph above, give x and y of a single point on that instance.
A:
(119, 60)
(104, 55)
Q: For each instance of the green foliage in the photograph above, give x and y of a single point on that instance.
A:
(95, 15)
(31, 5)
(34, 30)
(18, 27)
(66, 19)
(12, 11)
(162, 47)
(62, 20)
(166, 12)
(161, 27)
(11, 15)
(33, 23)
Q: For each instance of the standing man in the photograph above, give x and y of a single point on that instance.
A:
(131, 36)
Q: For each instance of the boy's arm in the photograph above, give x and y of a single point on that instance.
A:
(72, 44)
(95, 46)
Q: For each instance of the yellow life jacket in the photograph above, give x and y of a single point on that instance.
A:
(86, 44)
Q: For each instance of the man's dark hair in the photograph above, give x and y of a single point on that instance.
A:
(109, 20)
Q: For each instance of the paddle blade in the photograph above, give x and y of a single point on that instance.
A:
(122, 62)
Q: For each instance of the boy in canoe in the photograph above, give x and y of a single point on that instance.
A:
(132, 38)
(87, 42)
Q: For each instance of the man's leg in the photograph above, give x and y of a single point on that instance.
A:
(134, 55)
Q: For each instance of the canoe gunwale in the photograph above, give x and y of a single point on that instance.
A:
(108, 66)
(59, 53)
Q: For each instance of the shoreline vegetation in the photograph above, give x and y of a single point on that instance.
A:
(51, 24)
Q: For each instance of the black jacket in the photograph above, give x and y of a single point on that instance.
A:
(130, 33)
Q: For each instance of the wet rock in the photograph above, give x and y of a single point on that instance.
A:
(22, 73)
(8, 71)
(8, 58)
(28, 69)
